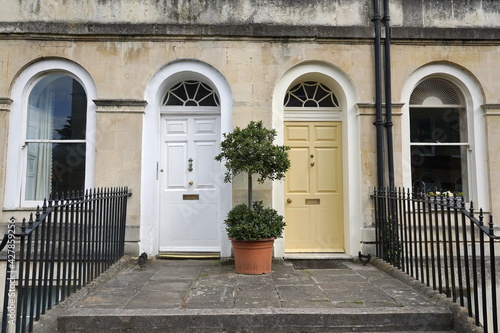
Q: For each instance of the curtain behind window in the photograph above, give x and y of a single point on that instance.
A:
(55, 137)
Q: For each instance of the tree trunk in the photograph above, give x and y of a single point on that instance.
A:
(250, 199)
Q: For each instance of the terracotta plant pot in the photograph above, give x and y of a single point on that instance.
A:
(253, 257)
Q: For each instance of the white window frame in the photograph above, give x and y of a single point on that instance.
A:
(16, 155)
(476, 160)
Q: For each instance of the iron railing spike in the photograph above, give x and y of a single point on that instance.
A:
(30, 222)
(23, 226)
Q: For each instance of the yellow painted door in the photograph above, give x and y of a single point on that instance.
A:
(313, 187)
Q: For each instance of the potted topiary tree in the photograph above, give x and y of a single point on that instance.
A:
(252, 227)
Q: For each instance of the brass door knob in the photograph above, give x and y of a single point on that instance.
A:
(190, 182)
(289, 200)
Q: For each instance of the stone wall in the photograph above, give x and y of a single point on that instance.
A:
(427, 13)
(122, 44)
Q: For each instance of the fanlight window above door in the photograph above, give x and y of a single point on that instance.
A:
(191, 93)
(309, 94)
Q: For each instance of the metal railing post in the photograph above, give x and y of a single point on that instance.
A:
(65, 245)
(437, 227)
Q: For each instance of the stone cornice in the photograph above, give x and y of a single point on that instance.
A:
(90, 31)
(368, 109)
(491, 109)
(5, 104)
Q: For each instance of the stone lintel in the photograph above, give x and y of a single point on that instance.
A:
(120, 105)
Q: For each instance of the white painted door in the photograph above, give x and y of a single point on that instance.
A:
(190, 184)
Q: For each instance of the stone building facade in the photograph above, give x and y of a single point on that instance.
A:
(148, 87)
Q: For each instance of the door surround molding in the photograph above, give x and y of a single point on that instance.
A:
(155, 91)
(345, 91)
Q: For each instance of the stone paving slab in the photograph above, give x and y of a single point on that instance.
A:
(208, 296)
(204, 284)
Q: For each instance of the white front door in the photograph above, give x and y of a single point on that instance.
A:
(190, 200)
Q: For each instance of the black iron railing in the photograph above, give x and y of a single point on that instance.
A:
(436, 239)
(63, 246)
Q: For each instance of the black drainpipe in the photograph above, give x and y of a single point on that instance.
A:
(388, 97)
(379, 122)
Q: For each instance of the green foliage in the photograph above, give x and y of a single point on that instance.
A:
(251, 150)
(243, 223)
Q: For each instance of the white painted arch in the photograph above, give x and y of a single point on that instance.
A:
(21, 89)
(155, 90)
(344, 90)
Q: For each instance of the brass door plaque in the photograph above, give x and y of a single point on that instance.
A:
(312, 201)
(190, 197)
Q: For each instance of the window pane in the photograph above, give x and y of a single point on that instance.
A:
(437, 125)
(57, 108)
(439, 168)
(54, 168)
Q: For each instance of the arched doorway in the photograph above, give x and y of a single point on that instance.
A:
(190, 178)
(314, 183)
(189, 107)
(340, 118)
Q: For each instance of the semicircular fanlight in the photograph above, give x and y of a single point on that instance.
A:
(435, 91)
(191, 93)
(310, 94)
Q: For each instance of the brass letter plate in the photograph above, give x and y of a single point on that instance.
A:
(312, 201)
(190, 197)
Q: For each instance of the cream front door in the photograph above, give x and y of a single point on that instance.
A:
(313, 187)
(190, 184)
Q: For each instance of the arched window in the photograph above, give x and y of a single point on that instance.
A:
(55, 137)
(438, 137)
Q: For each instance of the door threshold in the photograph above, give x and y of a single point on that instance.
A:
(317, 255)
(188, 255)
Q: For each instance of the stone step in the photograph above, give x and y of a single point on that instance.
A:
(430, 319)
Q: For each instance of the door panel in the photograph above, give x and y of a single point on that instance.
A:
(313, 187)
(176, 151)
(190, 184)
(296, 181)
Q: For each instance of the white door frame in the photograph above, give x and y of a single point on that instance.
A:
(155, 91)
(344, 90)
